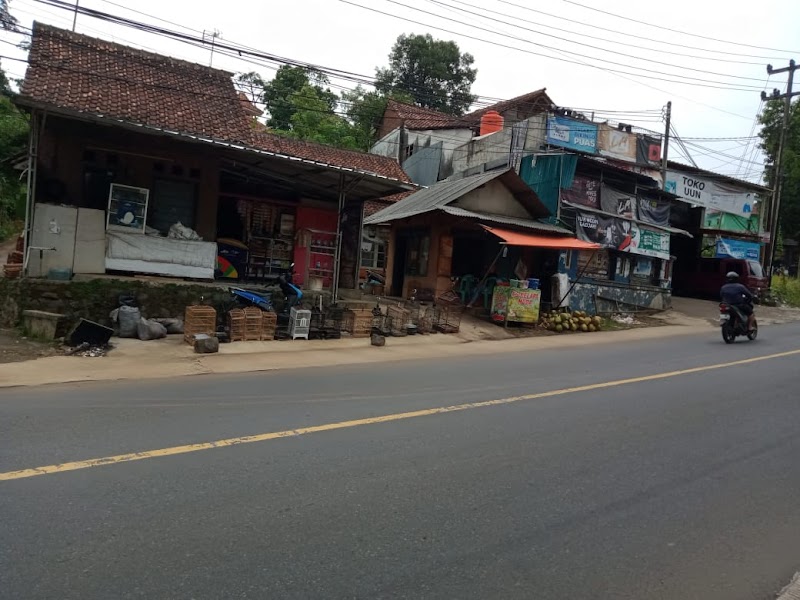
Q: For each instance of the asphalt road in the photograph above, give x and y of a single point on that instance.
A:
(678, 487)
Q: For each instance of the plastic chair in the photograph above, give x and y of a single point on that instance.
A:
(466, 288)
(488, 290)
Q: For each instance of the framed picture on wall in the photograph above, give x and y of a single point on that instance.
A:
(127, 208)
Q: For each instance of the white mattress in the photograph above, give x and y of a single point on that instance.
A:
(163, 256)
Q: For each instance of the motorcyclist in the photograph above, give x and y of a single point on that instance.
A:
(737, 295)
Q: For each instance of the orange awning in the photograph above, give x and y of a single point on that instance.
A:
(513, 238)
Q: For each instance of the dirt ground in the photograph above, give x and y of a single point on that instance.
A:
(16, 348)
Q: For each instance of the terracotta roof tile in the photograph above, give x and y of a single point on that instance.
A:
(529, 100)
(373, 206)
(89, 75)
(419, 118)
(85, 74)
(350, 159)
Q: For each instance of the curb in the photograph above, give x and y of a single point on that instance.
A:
(791, 591)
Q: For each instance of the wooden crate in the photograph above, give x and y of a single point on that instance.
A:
(199, 320)
(269, 324)
(253, 324)
(236, 324)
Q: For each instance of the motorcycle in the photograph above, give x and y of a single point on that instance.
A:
(733, 324)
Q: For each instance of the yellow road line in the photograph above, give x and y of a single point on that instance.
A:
(250, 439)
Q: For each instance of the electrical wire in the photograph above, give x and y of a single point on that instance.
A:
(663, 28)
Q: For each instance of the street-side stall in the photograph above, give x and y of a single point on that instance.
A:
(519, 300)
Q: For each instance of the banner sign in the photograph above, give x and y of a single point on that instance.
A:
(622, 235)
(572, 134)
(648, 150)
(515, 305)
(654, 211)
(584, 191)
(710, 194)
(618, 203)
(727, 248)
(616, 144)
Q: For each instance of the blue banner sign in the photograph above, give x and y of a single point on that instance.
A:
(728, 248)
(572, 134)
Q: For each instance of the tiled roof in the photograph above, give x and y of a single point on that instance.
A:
(248, 106)
(419, 118)
(526, 101)
(80, 73)
(349, 159)
(373, 206)
(89, 75)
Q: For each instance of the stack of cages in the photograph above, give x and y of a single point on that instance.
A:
(253, 324)
(357, 322)
(199, 320)
(269, 325)
(381, 323)
(448, 319)
(425, 319)
(399, 318)
(299, 323)
(236, 324)
(332, 323)
(317, 323)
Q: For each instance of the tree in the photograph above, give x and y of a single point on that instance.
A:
(7, 21)
(13, 142)
(289, 81)
(365, 110)
(771, 124)
(433, 72)
(314, 120)
(252, 85)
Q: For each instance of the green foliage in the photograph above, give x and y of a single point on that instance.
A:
(13, 142)
(365, 111)
(280, 94)
(771, 124)
(313, 120)
(786, 289)
(7, 21)
(433, 72)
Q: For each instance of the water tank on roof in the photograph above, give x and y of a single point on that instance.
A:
(491, 121)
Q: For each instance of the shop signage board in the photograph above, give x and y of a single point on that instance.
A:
(515, 305)
(729, 248)
(616, 144)
(622, 235)
(572, 134)
(708, 193)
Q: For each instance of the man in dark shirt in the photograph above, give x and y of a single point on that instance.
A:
(735, 294)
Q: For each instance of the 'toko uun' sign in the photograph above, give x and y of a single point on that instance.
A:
(711, 194)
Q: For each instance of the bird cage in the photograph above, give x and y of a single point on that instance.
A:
(448, 319)
(253, 324)
(199, 320)
(425, 319)
(398, 317)
(357, 322)
(299, 323)
(269, 325)
(236, 324)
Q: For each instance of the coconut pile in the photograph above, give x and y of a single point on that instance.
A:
(578, 321)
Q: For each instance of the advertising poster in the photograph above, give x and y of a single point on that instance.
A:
(572, 134)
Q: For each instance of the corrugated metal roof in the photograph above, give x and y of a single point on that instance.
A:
(526, 223)
(433, 198)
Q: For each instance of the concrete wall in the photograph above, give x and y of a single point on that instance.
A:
(62, 161)
(496, 147)
(450, 139)
(493, 198)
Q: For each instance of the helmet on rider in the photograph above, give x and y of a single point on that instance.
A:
(732, 276)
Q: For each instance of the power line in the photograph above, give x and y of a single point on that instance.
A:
(563, 39)
(742, 87)
(663, 28)
(671, 44)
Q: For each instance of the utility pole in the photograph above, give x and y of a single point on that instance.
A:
(212, 37)
(777, 184)
(665, 151)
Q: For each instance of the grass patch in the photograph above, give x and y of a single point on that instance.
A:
(786, 290)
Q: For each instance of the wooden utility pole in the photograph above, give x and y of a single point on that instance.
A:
(665, 150)
(777, 184)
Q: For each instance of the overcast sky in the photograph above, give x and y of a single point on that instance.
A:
(516, 50)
